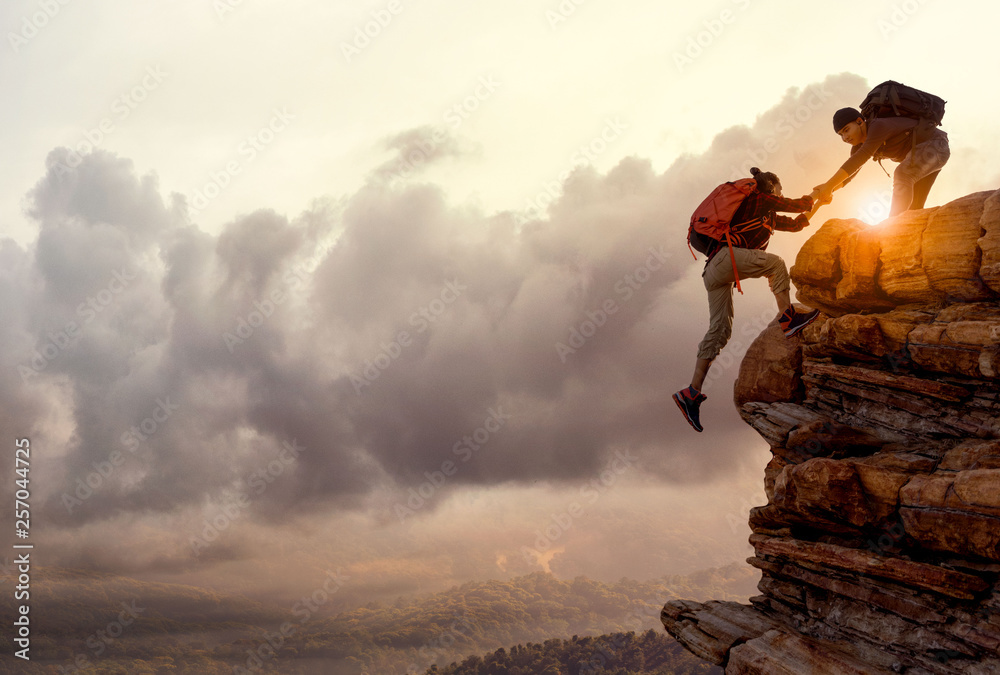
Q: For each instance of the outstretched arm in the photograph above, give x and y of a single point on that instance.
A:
(823, 193)
(800, 205)
(786, 204)
(879, 131)
(786, 224)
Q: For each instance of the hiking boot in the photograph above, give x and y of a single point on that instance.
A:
(689, 401)
(792, 322)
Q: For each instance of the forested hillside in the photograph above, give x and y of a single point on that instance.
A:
(89, 623)
(651, 653)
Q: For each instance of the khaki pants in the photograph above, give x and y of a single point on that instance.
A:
(718, 275)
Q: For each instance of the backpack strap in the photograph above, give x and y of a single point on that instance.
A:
(736, 274)
(894, 100)
(913, 141)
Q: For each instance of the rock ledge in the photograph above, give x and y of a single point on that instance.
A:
(879, 546)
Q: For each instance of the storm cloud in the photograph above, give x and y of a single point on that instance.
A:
(394, 337)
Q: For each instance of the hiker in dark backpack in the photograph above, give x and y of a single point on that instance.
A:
(742, 255)
(899, 123)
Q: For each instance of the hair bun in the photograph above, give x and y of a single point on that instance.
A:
(754, 171)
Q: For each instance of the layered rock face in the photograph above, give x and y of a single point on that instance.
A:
(879, 546)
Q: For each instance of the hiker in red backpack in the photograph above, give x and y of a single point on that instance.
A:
(740, 254)
(899, 123)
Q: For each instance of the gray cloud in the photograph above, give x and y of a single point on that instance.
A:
(416, 149)
(278, 330)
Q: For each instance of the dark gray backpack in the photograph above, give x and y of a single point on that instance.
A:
(892, 99)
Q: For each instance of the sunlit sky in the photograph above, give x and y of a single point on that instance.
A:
(305, 107)
(225, 69)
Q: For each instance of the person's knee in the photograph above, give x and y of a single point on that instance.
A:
(779, 267)
(935, 152)
(720, 331)
(905, 176)
(780, 282)
(778, 275)
(924, 160)
(723, 336)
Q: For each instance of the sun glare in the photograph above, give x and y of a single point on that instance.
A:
(876, 209)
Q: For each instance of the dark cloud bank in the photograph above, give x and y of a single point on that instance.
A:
(389, 334)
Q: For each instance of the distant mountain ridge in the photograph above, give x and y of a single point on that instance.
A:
(77, 623)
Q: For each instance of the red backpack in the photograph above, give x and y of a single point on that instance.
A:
(710, 221)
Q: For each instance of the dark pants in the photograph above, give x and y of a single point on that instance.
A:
(913, 178)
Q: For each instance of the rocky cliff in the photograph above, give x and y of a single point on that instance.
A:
(879, 546)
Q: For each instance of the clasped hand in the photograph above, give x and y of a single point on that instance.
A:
(820, 196)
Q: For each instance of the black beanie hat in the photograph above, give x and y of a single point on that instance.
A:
(843, 117)
(766, 181)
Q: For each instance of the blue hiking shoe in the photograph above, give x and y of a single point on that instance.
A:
(689, 401)
(792, 322)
